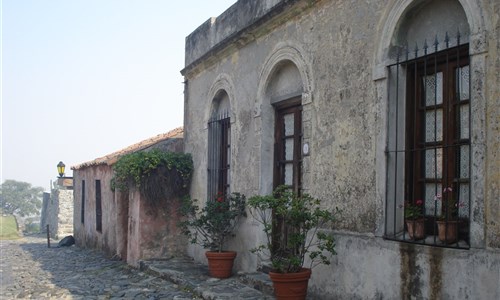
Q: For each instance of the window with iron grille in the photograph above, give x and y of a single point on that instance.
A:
(82, 209)
(98, 206)
(219, 155)
(428, 153)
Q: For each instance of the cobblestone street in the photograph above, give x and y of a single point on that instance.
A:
(31, 270)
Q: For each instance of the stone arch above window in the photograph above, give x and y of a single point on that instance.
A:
(285, 82)
(220, 104)
(429, 20)
(399, 15)
(285, 58)
(220, 95)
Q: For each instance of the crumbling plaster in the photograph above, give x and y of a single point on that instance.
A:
(341, 49)
(85, 233)
(132, 229)
(493, 131)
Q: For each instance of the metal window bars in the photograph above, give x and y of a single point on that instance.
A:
(219, 156)
(429, 150)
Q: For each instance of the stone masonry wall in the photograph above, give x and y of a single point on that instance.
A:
(65, 213)
(341, 50)
(59, 213)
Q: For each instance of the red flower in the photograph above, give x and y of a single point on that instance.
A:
(220, 197)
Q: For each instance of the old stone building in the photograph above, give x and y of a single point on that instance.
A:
(57, 209)
(365, 105)
(123, 224)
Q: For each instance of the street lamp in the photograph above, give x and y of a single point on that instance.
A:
(60, 168)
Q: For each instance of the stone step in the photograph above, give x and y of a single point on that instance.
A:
(194, 277)
(258, 280)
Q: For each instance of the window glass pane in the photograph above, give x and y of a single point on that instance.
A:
(289, 124)
(463, 83)
(431, 205)
(289, 149)
(434, 125)
(288, 174)
(463, 200)
(433, 86)
(464, 161)
(433, 162)
(464, 121)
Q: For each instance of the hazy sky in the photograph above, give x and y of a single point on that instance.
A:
(83, 78)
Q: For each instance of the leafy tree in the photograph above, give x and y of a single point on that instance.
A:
(20, 198)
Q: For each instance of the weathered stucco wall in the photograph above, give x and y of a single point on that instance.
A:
(492, 121)
(153, 229)
(131, 229)
(341, 51)
(86, 234)
(367, 267)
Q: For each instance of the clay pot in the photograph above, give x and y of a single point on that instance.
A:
(291, 286)
(220, 264)
(416, 228)
(447, 231)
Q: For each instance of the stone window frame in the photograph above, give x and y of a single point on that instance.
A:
(222, 84)
(477, 52)
(264, 111)
(410, 146)
(218, 163)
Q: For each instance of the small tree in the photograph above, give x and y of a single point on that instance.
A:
(212, 225)
(292, 224)
(20, 198)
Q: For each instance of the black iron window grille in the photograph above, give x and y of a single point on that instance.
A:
(429, 149)
(82, 209)
(98, 206)
(219, 156)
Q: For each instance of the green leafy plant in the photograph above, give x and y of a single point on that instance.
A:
(156, 173)
(212, 225)
(414, 211)
(292, 224)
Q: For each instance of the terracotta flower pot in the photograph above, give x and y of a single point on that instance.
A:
(416, 228)
(220, 264)
(447, 231)
(292, 286)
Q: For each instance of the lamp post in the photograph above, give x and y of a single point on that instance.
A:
(60, 168)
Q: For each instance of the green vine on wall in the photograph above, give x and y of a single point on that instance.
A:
(157, 174)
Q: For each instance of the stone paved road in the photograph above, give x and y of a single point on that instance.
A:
(30, 270)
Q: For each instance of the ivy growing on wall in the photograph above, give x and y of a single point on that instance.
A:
(157, 174)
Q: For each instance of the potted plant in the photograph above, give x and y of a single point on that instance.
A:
(292, 224)
(447, 221)
(414, 218)
(211, 227)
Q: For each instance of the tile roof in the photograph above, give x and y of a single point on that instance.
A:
(110, 159)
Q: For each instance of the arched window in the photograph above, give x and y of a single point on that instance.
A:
(219, 147)
(429, 144)
(284, 92)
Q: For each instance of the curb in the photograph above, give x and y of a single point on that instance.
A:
(194, 277)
